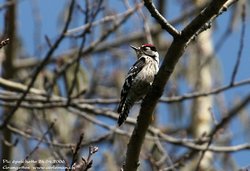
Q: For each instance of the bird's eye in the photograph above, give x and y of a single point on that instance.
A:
(153, 48)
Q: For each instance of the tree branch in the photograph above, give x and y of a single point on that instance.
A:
(175, 51)
(242, 37)
(161, 20)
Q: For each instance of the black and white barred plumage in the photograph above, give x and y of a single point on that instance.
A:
(139, 79)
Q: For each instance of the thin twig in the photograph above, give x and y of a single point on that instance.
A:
(83, 35)
(242, 38)
(77, 148)
(26, 135)
(161, 20)
(38, 144)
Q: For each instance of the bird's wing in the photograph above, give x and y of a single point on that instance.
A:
(133, 71)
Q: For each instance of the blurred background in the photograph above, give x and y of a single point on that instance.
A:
(75, 55)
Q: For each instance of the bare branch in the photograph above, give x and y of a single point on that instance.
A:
(14, 86)
(38, 144)
(161, 20)
(76, 150)
(242, 37)
(201, 94)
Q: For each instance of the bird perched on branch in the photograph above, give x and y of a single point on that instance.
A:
(139, 79)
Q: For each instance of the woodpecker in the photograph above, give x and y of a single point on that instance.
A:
(139, 79)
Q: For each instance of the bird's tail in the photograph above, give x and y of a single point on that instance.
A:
(123, 111)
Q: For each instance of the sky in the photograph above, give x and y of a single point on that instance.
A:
(48, 11)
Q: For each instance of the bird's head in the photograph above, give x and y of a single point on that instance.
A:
(146, 49)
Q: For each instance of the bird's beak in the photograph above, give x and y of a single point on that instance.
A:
(135, 48)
